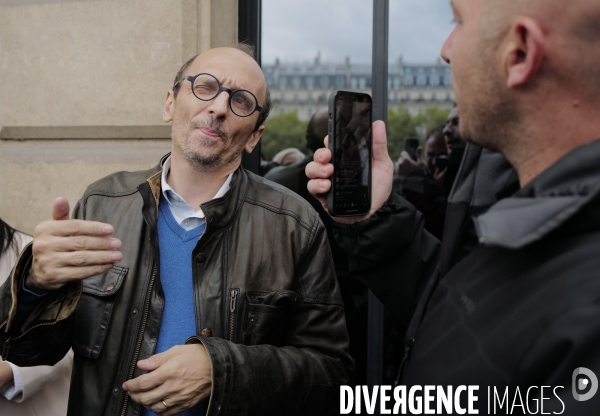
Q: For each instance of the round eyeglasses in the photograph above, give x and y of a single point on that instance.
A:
(206, 87)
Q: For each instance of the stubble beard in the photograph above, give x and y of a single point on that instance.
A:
(489, 117)
(191, 144)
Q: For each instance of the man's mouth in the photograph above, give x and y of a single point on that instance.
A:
(209, 132)
(451, 141)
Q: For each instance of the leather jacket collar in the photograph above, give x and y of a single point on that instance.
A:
(220, 212)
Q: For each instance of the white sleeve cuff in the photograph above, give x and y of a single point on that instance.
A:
(17, 388)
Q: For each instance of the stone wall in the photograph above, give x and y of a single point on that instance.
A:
(82, 85)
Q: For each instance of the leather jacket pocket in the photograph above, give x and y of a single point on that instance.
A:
(94, 310)
(265, 316)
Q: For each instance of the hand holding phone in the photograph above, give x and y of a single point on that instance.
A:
(320, 172)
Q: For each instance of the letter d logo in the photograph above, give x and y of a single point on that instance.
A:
(580, 384)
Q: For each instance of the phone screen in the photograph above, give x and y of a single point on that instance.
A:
(352, 153)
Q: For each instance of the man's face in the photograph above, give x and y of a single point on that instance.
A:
(435, 146)
(207, 133)
(471, 49)
(451, 131)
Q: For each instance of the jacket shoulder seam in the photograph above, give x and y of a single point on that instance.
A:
(282, 211)
(103, 192)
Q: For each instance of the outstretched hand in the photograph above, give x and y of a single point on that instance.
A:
(179, 379)
(406, 166)
(320, 170)
(66, 250)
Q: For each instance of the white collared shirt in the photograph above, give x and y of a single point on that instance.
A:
(185, 214)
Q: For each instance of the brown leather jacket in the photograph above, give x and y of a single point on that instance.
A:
(268, 307)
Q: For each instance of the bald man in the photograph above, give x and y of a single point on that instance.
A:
(194, 287)
(521, 313)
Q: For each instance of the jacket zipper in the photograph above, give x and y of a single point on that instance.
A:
(140, 338)
(232, 306)
(407, 350)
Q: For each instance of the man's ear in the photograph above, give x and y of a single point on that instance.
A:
(524, 52)
(253, 140)
(169, 107)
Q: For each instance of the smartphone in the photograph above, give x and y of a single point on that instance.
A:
(411, 147)
(441, 162)
(350, 142)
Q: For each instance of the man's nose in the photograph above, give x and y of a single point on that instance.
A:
(446, 130)
(219, 106)
(446, 51)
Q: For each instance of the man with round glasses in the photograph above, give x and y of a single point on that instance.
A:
(194, 287)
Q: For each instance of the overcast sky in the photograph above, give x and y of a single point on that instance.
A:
(295, 31)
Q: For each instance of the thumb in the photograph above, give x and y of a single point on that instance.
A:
(152, 363)
(380, 150)
(60, 210)
(419, 154)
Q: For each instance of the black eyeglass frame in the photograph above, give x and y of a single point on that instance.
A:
(192, 79)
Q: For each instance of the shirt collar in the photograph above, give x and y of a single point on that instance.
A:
(173, 197)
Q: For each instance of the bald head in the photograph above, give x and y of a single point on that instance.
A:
(571, 37)
(526, 75)
(241, 55)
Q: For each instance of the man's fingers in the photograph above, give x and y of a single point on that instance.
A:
(318, 171)
(419, 154)
(87, 258)
(60, 209)
(380, 150)
(322, 156)
(155, 361)
(143, 383)
(76, 243)
(68, 274)
(74, 227)
(319, 187)
(150, 391)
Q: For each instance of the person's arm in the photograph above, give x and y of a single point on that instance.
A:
(54, 265)
(392, 254)
(300, 377)
(33, 379)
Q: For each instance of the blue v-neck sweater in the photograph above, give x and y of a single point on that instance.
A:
(176, 246)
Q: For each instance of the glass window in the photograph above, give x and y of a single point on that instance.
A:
(447, 80)
(324, 81)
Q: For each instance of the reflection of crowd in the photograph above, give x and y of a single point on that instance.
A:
(426, 180)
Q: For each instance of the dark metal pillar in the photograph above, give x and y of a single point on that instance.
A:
(249, 31)
(379, 82)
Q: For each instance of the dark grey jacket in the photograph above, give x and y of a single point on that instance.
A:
(267, 303)
(523, 309)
